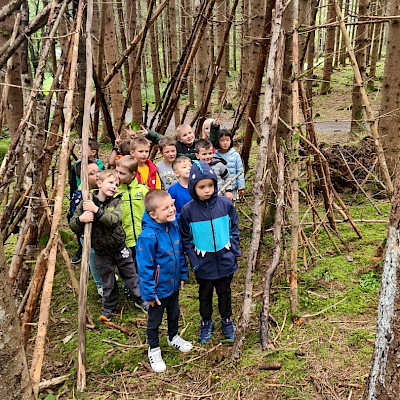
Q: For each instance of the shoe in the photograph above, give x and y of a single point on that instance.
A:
(142, 305)
(106, 315)
(100, 291)
(77, 257)
(181, 344)
(228, 328)
(156, 361)
(206, 328)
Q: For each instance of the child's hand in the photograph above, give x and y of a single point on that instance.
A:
(217, 122)
(182, 284)
(88, 205)
(144, 132)
(154, 302)
(131, 133)
(229, 195)
(241, 193)
(118, 140)
(86, 217)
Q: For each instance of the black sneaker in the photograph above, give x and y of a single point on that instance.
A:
(206, 328)
(106, 315)
(77, 257)
(142, 305)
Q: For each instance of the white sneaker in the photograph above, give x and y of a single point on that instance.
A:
(100, 291)
(156, 361)
(181, 344)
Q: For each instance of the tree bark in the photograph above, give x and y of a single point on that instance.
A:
(329, 50)
(221, 12)
(375, 44)
(360, 51)
(155, 63)
(15, 383)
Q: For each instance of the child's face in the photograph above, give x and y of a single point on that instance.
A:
(124, 175)
(92, 171)
(169, 153)
(204, 188)
(165, 210)
(225, 142)
(187, 136)
(206, 129)
(182, 170)
(205, 154)
(109, 186)
(91, 153)
(141, 153)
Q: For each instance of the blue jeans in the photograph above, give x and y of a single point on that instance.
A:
(92, 265)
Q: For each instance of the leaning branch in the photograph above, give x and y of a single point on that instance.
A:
(8, 9)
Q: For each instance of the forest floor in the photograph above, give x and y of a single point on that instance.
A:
(326, 356)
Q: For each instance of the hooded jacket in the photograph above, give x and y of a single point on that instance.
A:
(132, 209)
(235, 165)
(108, 236)
(160, 260)
(209, 229)
(218, 165)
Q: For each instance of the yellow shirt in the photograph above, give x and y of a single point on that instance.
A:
(144, 174)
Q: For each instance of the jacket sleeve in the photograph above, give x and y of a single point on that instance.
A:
(239, 168)
(214, 135)
(225, 177)
(234, 231)
(75, 224)
(145, 255)
(110, 216)
(153, 136)
(184, 266)
(186, 236)
(72, 181)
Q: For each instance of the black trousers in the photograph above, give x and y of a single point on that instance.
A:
(223, 289)
(155, 315)
(123, 260)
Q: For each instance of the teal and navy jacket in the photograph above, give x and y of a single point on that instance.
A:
(160, 260)
(209, 229)
(132, 196)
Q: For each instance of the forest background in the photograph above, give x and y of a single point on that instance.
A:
(304, 86)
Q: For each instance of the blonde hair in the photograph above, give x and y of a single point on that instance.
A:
(180, 160)
(180, 128)
(166, 141)
(127, 162)
(103, 175)
(208, 120)
(152, 197)
(140, 140)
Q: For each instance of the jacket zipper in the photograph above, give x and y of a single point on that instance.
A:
(130, 205)
(173, 249)
(215, 244)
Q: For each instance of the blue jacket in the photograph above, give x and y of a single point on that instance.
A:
(160, 261)
(209, 229)
(235, 165)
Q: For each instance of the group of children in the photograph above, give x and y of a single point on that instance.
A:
(146, 231)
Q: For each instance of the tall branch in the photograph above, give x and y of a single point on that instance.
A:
(10, 8)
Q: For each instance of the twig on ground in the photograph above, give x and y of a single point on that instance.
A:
(196, 396)
(124, 345)
(196, 358)
(325, 309)
(112, 325)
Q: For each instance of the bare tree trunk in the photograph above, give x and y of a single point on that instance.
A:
(389, 123)
(384, 377)
(360, 50)
(155, 63)
(375, 43)
(329, 50)
(343, 54)
(268, 133)
(244, 47)
(15, 383)
(221, 19)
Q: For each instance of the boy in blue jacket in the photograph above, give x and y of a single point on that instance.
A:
(162, 270)
(210, 237)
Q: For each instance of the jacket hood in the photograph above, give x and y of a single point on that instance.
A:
(148, 222)
(201, 170)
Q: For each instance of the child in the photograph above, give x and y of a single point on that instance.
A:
(204, 152)
(232, 157)
(179, 192)
(205, 129)
(132, 200)
(185, 145)
(121, 148)
(75, 183)
(92, 172)
(164, 168)
(210, 237)
(146, 171)
(162, 272)
(108, 240)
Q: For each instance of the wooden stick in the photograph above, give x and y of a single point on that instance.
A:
(200, 356)
(81, 368)
(112, 325)
(370, 115)
(325, 309)
(222, 190)
(38, 354)
(53, 382)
